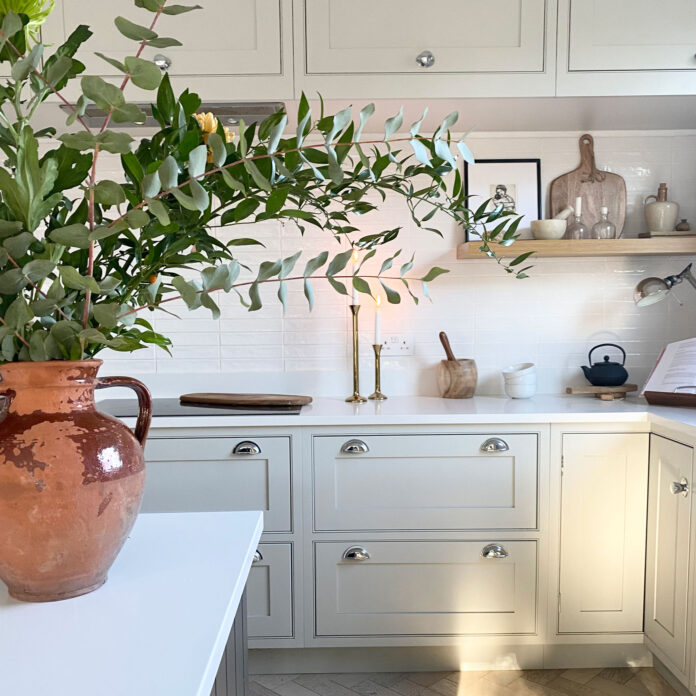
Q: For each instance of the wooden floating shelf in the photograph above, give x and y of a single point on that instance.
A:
(648, 246)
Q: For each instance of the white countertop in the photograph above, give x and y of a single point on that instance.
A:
(158, 626)
(424, 410)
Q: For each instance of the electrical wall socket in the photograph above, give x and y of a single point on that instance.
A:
(397, 345)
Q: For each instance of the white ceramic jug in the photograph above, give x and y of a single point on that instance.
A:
(661, 215)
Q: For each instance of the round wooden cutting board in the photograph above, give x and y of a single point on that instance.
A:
(221, 399)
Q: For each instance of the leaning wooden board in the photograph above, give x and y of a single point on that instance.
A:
(245, 399)
(597, 188)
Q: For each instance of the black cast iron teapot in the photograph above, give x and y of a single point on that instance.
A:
(606, 374)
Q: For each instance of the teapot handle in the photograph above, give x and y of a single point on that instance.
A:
(613, 345)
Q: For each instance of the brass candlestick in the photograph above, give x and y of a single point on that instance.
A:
(356, 397)
(377, 394)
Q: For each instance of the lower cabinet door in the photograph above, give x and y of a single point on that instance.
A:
(269, 592)
(370, 588)
(603, 521)
(669, 528)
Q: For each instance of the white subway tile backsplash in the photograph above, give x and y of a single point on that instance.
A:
(552, 318)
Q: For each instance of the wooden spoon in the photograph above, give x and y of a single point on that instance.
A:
(446, 345)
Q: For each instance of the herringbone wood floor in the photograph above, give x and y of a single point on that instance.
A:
(549, 682)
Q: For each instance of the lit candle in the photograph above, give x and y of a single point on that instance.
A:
(355, 270)
(378, 321)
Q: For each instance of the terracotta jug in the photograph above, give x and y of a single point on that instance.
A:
(71, 478)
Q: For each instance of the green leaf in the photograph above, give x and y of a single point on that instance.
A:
(129, 113)
(72, 279)
(19, 245)
(105, 95)
(38, 269)
(259, 179)
(339, 262)
(78, 141)
(466, 152)
(162, 42)
(188, 293)
(108, 193)
(179, 9)
(116, 143)
(421, 152)
(136, 32)
(276, 134)
(365, 114)
(159, 210)
(208, 302)
(18, 314)
(197, 161)
(245, 241)
(393, 297)
(521, 258)
(391, 125)
(217, 149)
(199, 195)
(137, 218)
(29, 63)
(416, 126)
(151, 185)
(37, 348)
(309, 293)
(361, 285)
(233, 183)
(168, 173)
(339, 287)
(71, 236)
(12, 281)
(144, 73)
(276, 200)
(112, 61)
(313, 265)
(108, 284)
(107, 314)
(433, 273)
(244, 209)
(184, 200)
(449, 121)
(151, 5)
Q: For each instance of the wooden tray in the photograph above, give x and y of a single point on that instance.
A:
(604, 393)
(670, 399)
(596, 187)
(256, 400)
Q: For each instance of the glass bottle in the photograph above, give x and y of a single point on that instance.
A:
(576, 230)
(604, 229)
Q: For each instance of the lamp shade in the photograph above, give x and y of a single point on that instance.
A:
(650, 290)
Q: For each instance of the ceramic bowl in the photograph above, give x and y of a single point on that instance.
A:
(523, 379)
(519, 369)
(520, 391)
(548, 229)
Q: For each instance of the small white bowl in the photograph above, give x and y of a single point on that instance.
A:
(520, 391)
(548, 229)
(522, 379)
(519, 369)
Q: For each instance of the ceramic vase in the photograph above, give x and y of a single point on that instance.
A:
(71, 478)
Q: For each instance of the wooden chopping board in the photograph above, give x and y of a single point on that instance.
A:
(596, 187)
(258, 400)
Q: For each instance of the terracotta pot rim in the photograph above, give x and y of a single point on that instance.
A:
(51, 363)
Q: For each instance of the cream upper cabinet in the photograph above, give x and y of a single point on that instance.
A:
(232, 49)
(447, 48)
(603, 521)
(615, 47)
(669, 530)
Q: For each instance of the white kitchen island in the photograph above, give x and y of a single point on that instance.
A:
(158, 626)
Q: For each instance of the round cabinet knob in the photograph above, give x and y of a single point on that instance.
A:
(355, 447)
(162, 62)
(494, 551)
(356, 553)
(681, 486)
(425, 59)
(247, 447)
(258, 557)
(495, 444)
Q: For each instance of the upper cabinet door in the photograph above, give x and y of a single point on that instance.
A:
(235, 49)
(401, 48)
(615, 47)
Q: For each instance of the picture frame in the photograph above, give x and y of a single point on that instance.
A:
(515, 182)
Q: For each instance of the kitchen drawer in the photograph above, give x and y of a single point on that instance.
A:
(425, 482)
(205, 474)
(269, 592)
(425, 588)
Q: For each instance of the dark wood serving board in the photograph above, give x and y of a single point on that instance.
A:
(259, 400)
(597, 188)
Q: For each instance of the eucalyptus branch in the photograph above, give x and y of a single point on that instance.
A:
(41, 77)
(33, 284)
(18, 335)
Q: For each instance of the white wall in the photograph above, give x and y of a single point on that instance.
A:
(551, 319)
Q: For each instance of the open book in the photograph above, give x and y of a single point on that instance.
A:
(674, 374)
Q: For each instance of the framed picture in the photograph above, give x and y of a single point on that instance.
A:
(513, 183)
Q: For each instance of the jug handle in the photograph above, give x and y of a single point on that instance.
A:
(601, 345)
(647, 198)
(142, 425)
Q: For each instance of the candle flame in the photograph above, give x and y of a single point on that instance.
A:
(378, 301)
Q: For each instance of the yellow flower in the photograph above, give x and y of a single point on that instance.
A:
(208, 123)
(229, 135)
